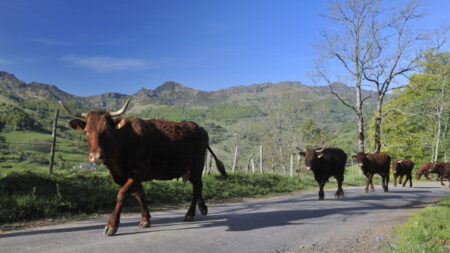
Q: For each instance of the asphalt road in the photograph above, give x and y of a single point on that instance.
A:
(276, 224)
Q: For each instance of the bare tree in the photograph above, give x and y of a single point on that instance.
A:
(350, 45)
(396, 53)
(370, 41)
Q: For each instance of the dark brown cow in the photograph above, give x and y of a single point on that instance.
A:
(137, 150)
(424, 170)
(402, 168)
(370, 164)
(326, 163)
(443, 171)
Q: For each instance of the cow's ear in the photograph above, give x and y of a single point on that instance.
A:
(319, 154)
(77, 124)
(120, 122)
(302, 154)
(354, 157)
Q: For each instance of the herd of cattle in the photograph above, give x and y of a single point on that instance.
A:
(330, 162)
(137, 150)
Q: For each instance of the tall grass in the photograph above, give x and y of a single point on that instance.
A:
(427, 231)
(30, 196)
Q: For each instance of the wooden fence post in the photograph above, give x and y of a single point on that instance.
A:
(353, 172)
(52, 149)
(235, 158)
(291, 173)
(261, 159)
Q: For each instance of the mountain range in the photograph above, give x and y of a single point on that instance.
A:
(14, 91)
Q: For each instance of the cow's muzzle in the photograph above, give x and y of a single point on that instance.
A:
(95, 157)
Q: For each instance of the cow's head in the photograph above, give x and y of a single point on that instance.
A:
(312, 157)
(98, 127)
(396, 165)
(360, 158)
(434, 167)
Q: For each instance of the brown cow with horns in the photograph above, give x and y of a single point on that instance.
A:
(137, 150)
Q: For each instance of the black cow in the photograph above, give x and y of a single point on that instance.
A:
(325, 163)
(402, 168)
(370, 164)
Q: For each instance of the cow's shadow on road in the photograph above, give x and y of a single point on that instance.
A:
(257, 214)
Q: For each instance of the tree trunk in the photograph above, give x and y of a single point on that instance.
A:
(378, 120)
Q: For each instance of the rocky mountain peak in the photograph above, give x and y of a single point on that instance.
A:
(5, 76)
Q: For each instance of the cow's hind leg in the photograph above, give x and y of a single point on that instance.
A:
(340, 192)
(114, 219)
(385, 182)
(145, 214)
(196, 193)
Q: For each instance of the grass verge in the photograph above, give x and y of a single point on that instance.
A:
(426, 231)
(31, 196)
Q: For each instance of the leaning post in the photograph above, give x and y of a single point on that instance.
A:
(235, 158)
(52, 149)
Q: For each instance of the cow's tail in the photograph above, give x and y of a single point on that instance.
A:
(219, 163)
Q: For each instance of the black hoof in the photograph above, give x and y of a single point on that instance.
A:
(144, 224)
(203, 209)
(188, 218)
(110, 231)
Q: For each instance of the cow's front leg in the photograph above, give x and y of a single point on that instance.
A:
(369, 182)
(401, 179)
(321, 193)
(145, 214)
(114, 219)
(395, 180)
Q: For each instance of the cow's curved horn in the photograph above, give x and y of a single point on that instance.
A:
(76, 114)
(121, 110)
(320, 150)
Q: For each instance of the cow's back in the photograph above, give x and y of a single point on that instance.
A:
(166, 149)
(379, 161)
(335, 155)
(334, 161)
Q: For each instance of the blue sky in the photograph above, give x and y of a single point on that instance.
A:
(91, 47)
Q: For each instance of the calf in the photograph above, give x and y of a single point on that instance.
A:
(402, 168)
(443, 171)
(325, 163)
(370, 164)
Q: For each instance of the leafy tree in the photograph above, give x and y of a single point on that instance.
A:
(417, 119)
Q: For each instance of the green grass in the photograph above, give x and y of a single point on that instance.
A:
(427, 231)
(30, 196)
